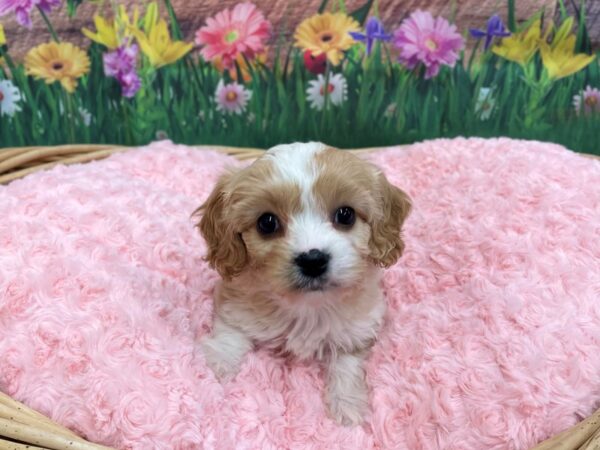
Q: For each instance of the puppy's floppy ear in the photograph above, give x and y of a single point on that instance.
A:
(386, 243)
(226, 251)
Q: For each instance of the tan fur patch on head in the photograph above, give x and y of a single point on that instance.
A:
(386, 238)
(346, 180)
(230, 214)
(226, 251)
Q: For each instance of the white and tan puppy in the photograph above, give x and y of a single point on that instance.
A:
(299, 238)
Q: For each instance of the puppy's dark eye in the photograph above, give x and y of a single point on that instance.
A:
(344, 216)
(268, 223)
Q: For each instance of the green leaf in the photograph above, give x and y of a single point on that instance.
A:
(72, 6)
(175, 28)
(453, 11)
(563, 10)
(323, 6)
(512, 22)
(361, 14)
(583, 43)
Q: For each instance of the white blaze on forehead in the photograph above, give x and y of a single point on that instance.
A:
(296, 163)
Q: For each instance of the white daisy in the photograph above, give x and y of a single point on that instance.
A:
(390, 111)
(337, 89)
(484, 107)
(232, 98)
(161, 135)
(9, 97)
(86, 116)
(588, 101)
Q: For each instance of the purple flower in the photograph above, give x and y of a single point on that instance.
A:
(495, 28)
(22, 8)
(47, 5)
(374, 31)
(130, 83)
(431, 41)
(121, 64)
(121, 60)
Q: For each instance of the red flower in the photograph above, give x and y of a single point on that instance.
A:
(315, 64)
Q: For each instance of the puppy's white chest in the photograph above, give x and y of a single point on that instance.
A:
(319, 331)
(310, 325)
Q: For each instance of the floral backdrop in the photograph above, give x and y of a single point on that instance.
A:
(344, 78)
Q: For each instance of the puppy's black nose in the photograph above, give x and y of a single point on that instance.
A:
(313, 263)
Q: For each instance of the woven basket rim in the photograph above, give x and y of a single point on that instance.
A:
(18, 162)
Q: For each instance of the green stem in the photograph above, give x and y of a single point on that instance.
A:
(48, 24)
(126, 124)
(535, 106)
(9, 61)
(326, 97)
(70, 115)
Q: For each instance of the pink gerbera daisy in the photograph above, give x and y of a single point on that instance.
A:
(242, 30)
(422, 38)
(588, 101)
(232, 97)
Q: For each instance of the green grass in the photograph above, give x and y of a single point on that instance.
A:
(178, 101)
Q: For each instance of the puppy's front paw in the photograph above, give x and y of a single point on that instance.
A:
(224, 365)
(347, 407)
(224, 351)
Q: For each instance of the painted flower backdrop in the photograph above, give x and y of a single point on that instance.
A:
(344, 78)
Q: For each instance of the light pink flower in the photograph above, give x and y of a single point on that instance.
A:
(587, 102)
(242, 30)
(431, 41)
(232, 98)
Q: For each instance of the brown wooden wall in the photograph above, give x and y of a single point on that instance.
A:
(287, 14)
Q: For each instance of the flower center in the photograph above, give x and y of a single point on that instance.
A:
(232, 36)
(231, 96)
(326, 37)
(57, 66)
(590, 101)
(431, 44)
(330, 89)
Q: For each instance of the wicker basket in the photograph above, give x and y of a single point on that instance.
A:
(23, 428)
(18, 162)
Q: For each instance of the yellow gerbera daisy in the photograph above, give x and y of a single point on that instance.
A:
(55, 61)
(326, 33)
(158, 46)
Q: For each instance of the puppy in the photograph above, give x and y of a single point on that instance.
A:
(299, 238)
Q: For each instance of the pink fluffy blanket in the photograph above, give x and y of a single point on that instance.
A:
(492, 337)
